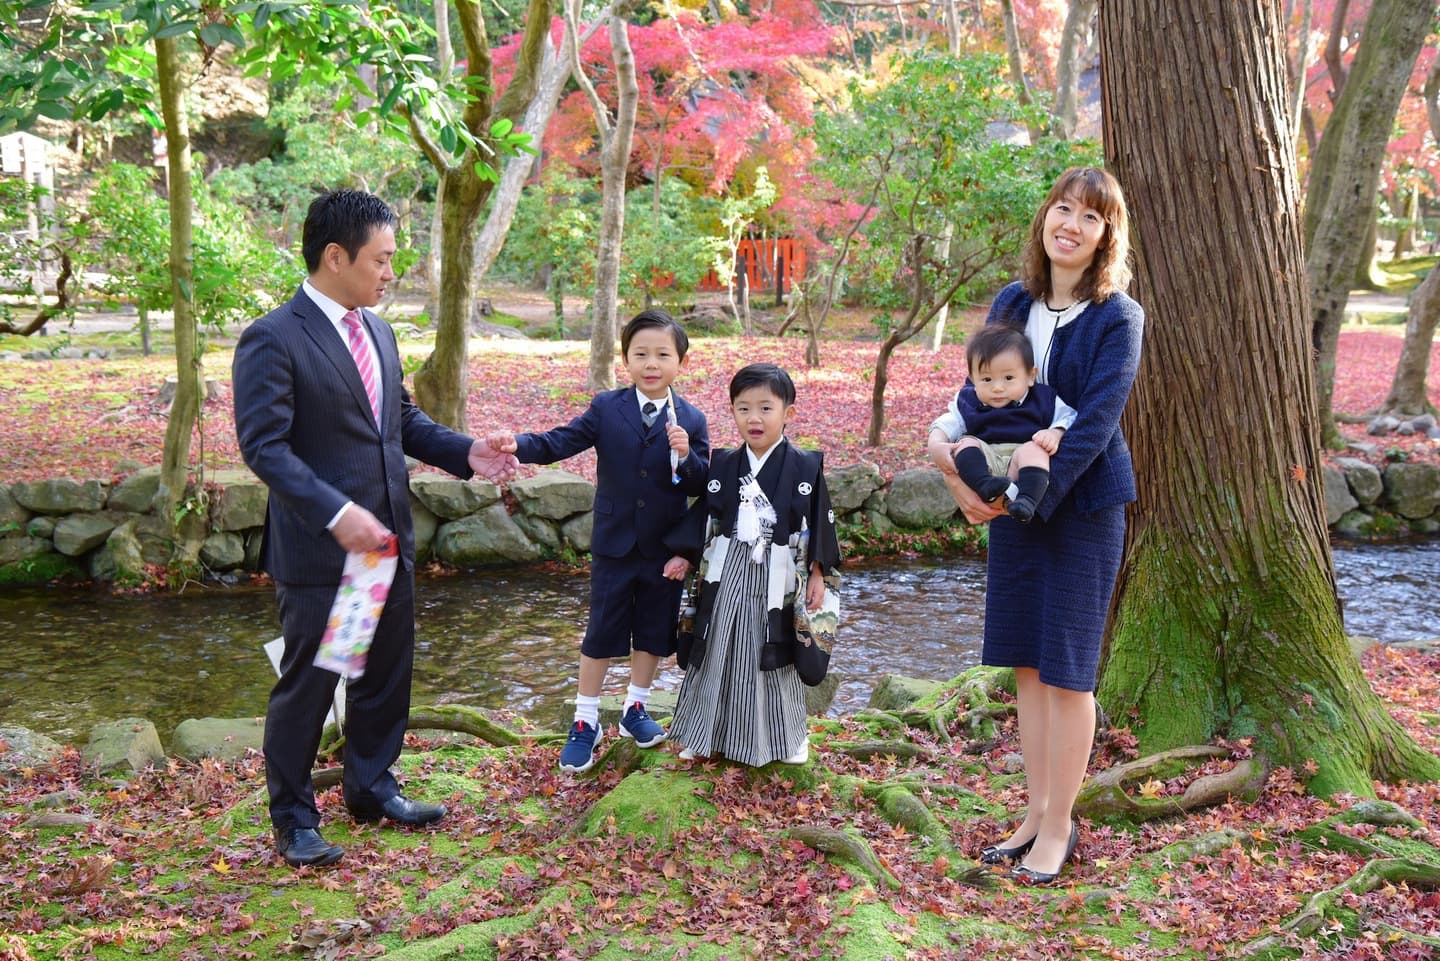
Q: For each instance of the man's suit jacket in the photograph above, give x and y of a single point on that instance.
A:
(306, 429)
(635, 502)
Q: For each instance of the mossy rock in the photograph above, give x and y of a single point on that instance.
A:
(895, 692)
(655, 803)
(41, 569)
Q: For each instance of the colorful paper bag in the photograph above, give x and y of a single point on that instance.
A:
(356, 612)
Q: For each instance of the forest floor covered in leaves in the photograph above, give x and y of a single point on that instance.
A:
(101, 418)
(865, 853)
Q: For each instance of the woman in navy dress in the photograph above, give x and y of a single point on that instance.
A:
(1049, 582)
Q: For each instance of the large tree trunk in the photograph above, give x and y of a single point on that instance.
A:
(616, 140)
(1407, 392)
(175, 458)
(1063, 117)
(441, 383)
(1225, 620)
(1345, 175)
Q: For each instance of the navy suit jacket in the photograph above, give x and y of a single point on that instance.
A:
(635, 502)
(306, 429)
(1093, 363)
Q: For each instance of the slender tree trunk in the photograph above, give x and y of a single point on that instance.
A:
(1303, 52)
(441, 383)
(1408, 201)
(554, 69)
(1225, 620)
(444, 64)
(877, 389)
(942, 316)
(615, 164)
(1017, 64)
(1431, 93)
(1064, 117)
(179, 428)
(1407, 392)
(1333, 61)
(1345, 176)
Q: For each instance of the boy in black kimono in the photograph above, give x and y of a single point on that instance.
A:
(767, 510)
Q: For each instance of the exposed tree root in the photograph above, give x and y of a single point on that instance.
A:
(883, 720)
(1374, 874)
(465, 720)
(1104, 796)
(1205, 845)
(1382, 814)
(447, 717)
(899, 805)
(845, 848)
(979, 688)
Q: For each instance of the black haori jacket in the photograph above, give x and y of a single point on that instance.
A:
(794, 480)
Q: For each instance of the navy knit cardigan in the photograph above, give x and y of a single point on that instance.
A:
(1093, 363)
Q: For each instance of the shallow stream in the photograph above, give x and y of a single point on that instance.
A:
(510, 639)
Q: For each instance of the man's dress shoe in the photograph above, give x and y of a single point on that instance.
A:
(304, 847)
(401, 810)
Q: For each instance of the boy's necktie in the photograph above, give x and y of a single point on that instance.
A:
(648, 412)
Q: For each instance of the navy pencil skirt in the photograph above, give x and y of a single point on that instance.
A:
(1047, 592)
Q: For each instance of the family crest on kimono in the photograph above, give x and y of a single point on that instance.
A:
(766, 510)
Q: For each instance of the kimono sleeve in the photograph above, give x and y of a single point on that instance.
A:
(687, 537)
(824, 544)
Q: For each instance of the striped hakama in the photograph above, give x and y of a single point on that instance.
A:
(727, 705)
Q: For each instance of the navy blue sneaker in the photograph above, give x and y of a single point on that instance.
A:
(578, 755)
(641, 726)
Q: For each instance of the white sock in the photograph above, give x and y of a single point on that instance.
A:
(1012, 491)
(587, 709)
(634, 695)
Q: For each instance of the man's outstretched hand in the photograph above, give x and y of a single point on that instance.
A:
(492, 464)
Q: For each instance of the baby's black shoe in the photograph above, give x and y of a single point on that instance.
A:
(1022, 508)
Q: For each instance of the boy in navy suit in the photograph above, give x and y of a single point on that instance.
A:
(640, 494)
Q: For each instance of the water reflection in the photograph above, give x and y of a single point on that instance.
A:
(511, 639)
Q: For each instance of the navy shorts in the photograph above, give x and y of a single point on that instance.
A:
(633, 606)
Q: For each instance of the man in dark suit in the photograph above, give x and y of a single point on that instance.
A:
(324, 420)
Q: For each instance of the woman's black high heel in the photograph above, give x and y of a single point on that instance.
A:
(1030, 876)
(995, 854)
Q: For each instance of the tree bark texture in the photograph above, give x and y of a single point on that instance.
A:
(1225, 619)
(1345, 175)
(1063, 117)
(442, 382)
(179, 428)
(1407, 392)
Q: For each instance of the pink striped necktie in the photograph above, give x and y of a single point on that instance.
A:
(364, 361)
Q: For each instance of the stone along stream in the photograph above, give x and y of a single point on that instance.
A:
(494, 639)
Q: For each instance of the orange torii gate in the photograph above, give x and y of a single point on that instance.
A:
(772, 263)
